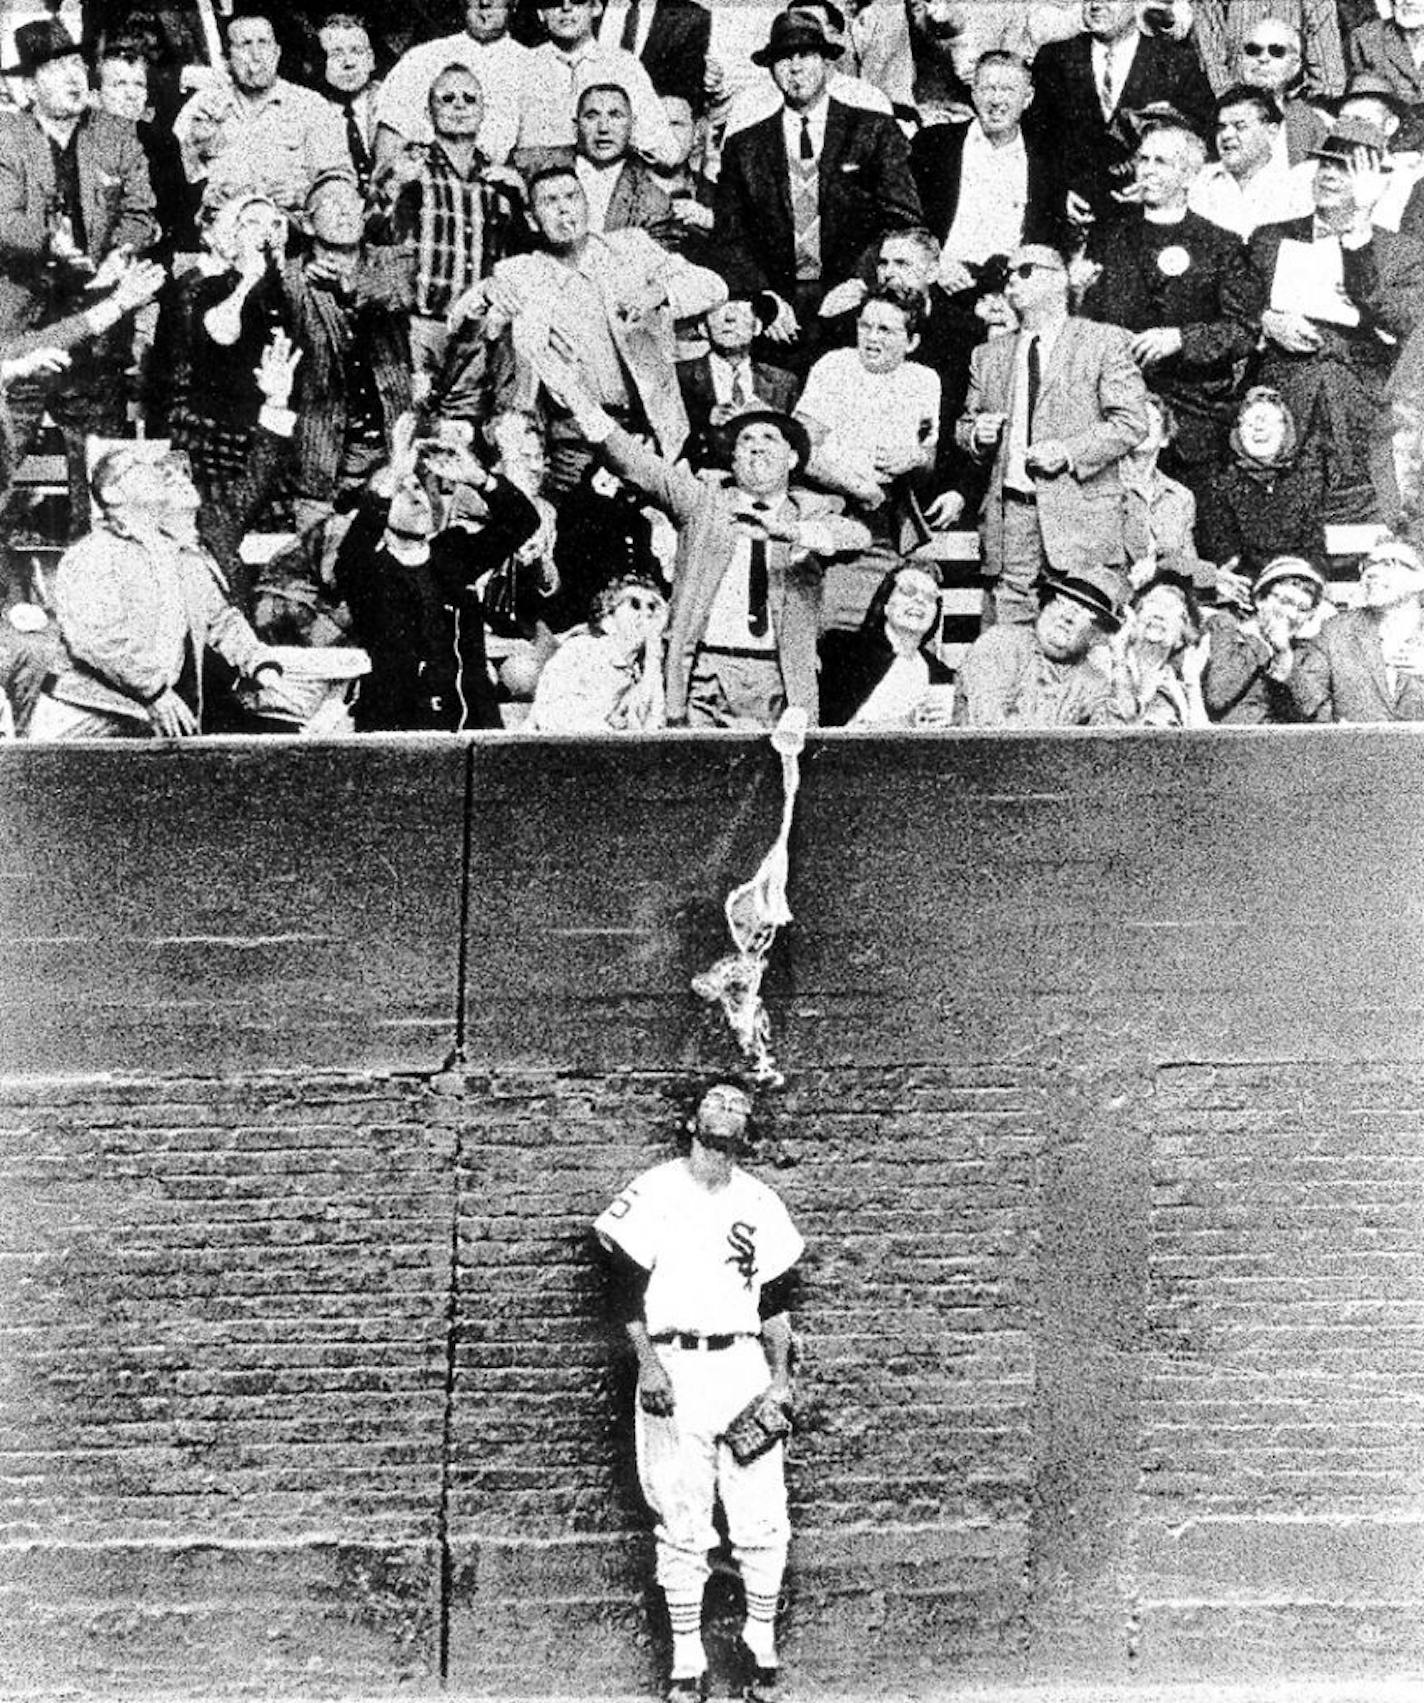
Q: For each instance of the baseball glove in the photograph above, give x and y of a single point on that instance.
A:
(762, 1423)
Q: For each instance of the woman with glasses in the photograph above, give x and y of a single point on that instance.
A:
(885, 674)
(609, 677)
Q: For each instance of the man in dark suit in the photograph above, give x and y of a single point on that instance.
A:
(1343, 296)
(670, 37)
(986, 186)
(1367, 663)
(726, 380)
(1185, 290)
(1087, 89)
(804, 192)
(75, 198)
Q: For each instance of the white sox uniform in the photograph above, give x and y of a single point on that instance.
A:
(708, 1254)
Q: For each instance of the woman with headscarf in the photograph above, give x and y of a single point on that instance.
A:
(608, 676)
(1269, 501)
(1252, 657)
(886, 674)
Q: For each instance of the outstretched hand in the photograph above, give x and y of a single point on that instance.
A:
(277, 370)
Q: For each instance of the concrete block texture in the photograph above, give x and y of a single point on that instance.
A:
(1101, 1121)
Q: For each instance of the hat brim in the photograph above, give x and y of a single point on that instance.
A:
(1087, 596)
(767, 56)
(792, 430)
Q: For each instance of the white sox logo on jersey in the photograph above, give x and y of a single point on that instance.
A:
(741, 1239)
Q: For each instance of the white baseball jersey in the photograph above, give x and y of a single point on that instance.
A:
(707, 1251)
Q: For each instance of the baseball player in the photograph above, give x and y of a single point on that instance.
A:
(702, 1255)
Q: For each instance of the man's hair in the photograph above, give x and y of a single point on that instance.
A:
(248, 14)
(604, 89)
(909, 308)
(923, 238)
(445, 71)
(547, 174)
(1243, 94)
(1002, 56)
(1297, 41)
(1189, 139)
(343, 21)
(127, 50)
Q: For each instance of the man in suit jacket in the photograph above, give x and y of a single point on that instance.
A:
(727, 381)
(1330, 352)
(802, 193)
(75, 198)
(609, 301)
(1087, 89)
(670, 37)
(349, 83)
(1367, 663)
(746, 602)
(1185, 289)
(623, 192)
(985, 186)
(1056, 407)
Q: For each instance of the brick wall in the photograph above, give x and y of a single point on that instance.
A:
(1101, 1123)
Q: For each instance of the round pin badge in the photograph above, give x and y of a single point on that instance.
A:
(1173, 261)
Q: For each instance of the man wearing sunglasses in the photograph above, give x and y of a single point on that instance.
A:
(1272, 58)
(1227, 31)
(1053, 410)
(459, 217)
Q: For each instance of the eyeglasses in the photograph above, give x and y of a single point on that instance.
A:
(643, 605)
(1026, 268)
(457, 97)
(1265, 49)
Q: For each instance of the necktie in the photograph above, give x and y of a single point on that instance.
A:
(808, 149)
(629, 38)
(1035, 380)
(741, 390)
(758, 617)
(1105, 87)
(356, 142)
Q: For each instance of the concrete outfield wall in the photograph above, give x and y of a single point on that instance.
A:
(1102, 1122)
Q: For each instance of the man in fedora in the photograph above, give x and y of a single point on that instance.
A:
(803, 193)
(1043, 675)
(1053, 410)
(1341, 298)
(746, 601)
(75, 205)
(1374, 99)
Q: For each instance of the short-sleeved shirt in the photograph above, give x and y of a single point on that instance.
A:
(708, 1252)
(864, 412)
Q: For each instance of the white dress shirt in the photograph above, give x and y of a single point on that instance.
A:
(598, 182)
(1273, 194)
(1016, 476)
(1119, 56)
(993, 196)
(725, 373)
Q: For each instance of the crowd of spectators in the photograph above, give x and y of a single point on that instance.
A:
(555, 355)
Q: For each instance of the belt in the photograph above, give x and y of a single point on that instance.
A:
(700, 1344)
(735, 650)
